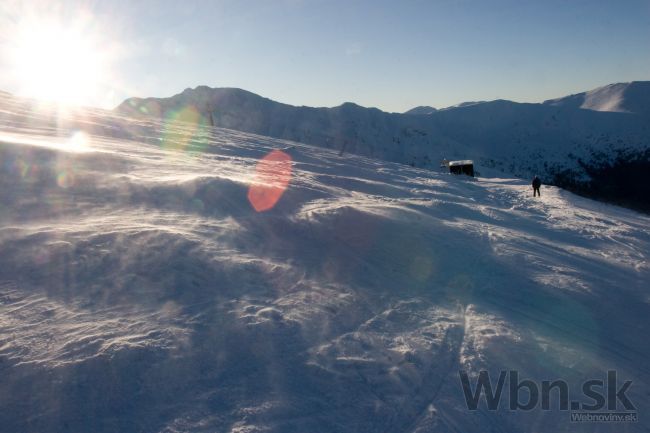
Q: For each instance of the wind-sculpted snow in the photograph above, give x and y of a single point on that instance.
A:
(140, 290)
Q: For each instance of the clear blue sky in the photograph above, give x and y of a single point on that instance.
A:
(389, 54)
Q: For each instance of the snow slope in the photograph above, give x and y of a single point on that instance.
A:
(141, 292)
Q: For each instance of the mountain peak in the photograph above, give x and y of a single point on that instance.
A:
(467, 104)
(421, 110)
(632, 97)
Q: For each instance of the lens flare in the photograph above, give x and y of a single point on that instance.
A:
(272, 177)
(66, 173)
(182, 129)
(65, 178)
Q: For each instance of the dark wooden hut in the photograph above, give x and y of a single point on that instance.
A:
(461, 167)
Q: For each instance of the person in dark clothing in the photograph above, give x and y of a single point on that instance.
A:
(537, 183)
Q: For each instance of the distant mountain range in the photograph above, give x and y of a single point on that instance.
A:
(596, 142)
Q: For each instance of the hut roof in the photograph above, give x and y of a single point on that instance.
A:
(463, 162)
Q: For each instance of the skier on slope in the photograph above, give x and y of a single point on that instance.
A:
(537, 183)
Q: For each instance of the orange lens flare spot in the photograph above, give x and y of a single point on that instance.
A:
(272, 176)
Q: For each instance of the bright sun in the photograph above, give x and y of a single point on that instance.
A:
(53, 62)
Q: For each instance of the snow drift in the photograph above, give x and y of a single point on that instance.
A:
(141, 291)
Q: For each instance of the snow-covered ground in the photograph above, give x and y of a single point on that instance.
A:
(140, 291)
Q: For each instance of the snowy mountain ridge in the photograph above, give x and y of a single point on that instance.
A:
(631, 97)
(575, 142)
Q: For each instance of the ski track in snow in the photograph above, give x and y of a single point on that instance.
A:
(140, 291)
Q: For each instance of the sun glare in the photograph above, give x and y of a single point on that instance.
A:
(53, 62)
